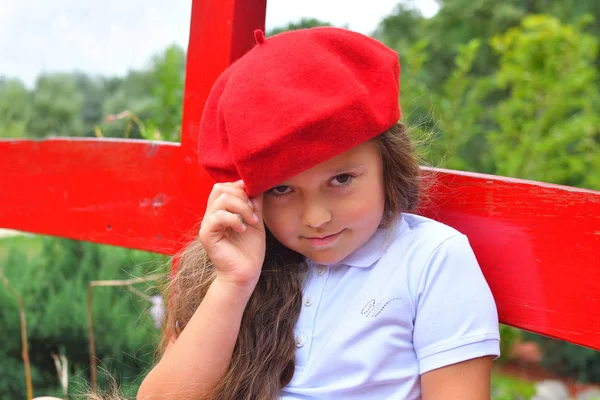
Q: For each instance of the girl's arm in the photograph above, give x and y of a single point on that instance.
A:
(467, 380)
(233, 236)
(195, 363)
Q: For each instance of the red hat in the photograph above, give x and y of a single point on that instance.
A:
(294, 101)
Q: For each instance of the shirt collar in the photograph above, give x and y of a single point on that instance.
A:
(373, 250)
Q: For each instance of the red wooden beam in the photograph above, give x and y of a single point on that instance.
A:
(120, 192)
(220, 33)
(538, 245)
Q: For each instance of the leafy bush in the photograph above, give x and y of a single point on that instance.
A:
(507, 388)
(569, 359)
(53, 282)
(508, 337)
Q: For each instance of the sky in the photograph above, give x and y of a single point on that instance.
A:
(110, 37)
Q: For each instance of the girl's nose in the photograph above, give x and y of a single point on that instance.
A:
(316, 216)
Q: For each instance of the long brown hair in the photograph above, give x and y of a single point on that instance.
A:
(263, 357)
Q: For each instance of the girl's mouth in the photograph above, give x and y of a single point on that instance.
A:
(323, 241)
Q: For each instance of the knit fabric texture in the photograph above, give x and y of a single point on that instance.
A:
(294, 101)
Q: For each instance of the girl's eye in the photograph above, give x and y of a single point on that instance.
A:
(280, 190)
(342, 180)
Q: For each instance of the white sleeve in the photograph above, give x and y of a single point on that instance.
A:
(456, 317)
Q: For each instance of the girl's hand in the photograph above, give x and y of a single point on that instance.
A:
(237, 249)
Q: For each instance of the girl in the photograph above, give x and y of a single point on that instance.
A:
(310, 278)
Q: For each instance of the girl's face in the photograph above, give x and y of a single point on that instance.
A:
(329, 211)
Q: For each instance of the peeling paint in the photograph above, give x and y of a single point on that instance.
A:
(151, 149)
(159, 201)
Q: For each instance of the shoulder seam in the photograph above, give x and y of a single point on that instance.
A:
(457, 234)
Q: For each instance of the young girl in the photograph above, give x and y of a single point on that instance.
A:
(310, 278)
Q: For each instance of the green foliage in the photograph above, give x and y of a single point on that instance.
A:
(536, 117)
(75, 104)
(56, 107)
(507, 388)
(154, 95)
(455, 113)
(53, 282)
(459, 21)
(569, 359)
(304, 23)
(547, 125)
(167, 73)
(131, 93)
(508, 337)
(94, 92)
(403, 27)
(15, 108)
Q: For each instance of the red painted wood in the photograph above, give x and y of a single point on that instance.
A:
(120, 192)
(539, 247)
(220, 33)
(538, 244)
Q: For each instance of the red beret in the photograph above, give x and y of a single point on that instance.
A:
(294, 101)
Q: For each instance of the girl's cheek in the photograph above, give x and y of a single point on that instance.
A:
(277, 219)
(364, 208)
(358, 211)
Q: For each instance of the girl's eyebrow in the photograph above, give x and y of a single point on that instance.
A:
(345, 168)
(334, 171)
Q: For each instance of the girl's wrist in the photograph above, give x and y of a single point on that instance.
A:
(233, 292)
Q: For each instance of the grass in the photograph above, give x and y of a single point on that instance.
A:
(30, 245)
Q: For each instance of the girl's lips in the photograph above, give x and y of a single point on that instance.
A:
(323, 241)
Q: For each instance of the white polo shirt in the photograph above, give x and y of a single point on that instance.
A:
(411, 300)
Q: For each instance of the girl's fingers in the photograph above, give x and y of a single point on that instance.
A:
(234, 205)
(233, 189)
(229, 207)
(220, 221)
(257, 202)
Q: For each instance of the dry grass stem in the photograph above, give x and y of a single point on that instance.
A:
(25, 347)
(92, 341)
(62, 369)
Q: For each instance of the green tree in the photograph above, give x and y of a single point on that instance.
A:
(15, 108)
(460, 21)
(56, 110)
(154, 95)
(52, 276)
(94, 92)
(302, 24)
(168, 75)
(450, 121)
(131, 93)
(548, 125)
(402, 28)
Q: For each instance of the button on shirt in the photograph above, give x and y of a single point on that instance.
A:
(412, 299)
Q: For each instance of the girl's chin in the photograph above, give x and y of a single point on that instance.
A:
(325, 257)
